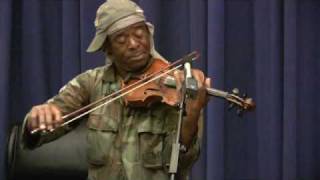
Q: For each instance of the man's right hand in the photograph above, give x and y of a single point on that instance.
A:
(44, 117)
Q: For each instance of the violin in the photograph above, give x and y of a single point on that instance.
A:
(164, 90)
(157, 84)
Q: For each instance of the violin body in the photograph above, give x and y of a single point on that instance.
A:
(152, 92)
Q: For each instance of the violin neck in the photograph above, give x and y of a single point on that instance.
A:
(217, 93)
(170, 82)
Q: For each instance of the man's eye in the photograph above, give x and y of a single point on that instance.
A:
(139, 32)
(121, 39)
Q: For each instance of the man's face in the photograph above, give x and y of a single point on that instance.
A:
(130, 47)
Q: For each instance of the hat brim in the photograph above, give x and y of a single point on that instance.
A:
(97, 42)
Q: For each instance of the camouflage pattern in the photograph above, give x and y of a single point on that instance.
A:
(124, 143)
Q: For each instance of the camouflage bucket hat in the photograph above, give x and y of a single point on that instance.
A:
(112, 16)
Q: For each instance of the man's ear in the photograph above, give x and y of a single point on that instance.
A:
(108, 52)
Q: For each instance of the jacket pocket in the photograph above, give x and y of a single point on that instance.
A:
(151, 141)
(102, 132)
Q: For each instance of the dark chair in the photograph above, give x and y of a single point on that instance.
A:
(63, 159)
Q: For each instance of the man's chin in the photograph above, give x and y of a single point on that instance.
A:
(138, 66)
(137, 69)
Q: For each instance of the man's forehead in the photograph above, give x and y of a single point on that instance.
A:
(135, 25)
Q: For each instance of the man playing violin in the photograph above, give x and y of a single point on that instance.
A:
(124, 142)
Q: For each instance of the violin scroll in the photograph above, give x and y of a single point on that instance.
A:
(243, 103)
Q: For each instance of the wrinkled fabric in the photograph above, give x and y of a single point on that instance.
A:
(123, 143)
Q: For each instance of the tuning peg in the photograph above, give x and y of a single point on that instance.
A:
(235, 91)
(231, 105)
(240, 112)
(249, 104)
(244, 95)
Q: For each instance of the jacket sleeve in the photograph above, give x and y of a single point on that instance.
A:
(74, 95)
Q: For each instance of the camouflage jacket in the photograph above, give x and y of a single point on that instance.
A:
(123, 143)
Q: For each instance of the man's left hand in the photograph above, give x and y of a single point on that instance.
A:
(193, 105)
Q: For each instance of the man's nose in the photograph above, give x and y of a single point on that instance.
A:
(133, 43)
